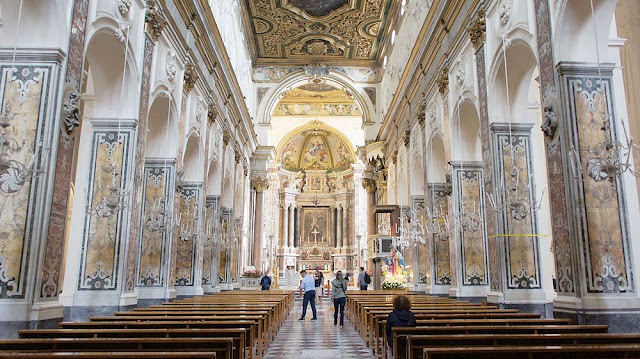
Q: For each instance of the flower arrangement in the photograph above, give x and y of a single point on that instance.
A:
(253, 273)
(389, 285)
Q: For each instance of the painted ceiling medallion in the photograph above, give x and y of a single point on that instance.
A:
(338, 32)
(318, 7)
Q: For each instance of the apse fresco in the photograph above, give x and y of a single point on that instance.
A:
(315, 149)
(604, 243)
(102, 234)
(153, 236)
(470, 212)
(23, 101)
(518, 216)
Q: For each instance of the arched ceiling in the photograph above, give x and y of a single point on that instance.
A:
(317, 99)
(315, 146)
(335, 32)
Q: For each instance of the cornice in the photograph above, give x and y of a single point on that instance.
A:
(426, 67)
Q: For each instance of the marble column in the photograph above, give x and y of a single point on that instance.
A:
(48, 285)
(345, 227)
(370, 186)
(291, 231)
(259, 184)
(339, 227)
(285, 225)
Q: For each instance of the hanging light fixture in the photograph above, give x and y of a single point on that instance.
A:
(14, 173)
(610, 158)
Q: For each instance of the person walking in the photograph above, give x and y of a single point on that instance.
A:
(319, 279)
(339, 297)
(362, 279)
(308, 286)
(265, 282)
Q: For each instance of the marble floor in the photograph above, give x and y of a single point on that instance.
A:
(318, 339)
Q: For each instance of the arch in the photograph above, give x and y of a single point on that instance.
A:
(417, 176)
(214, 180)
(40, 24)
(465, 132)
(299, 78)
(193, 160)
(162, 123)
(437, 160)
(113, 91)
(576, 39)
(520, 65)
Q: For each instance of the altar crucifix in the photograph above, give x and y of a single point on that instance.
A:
(315, 223)
(315, 235)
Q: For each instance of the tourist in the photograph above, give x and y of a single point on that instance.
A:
(339, 297)
(319, 279)
(401, 316)
(308, 287)
(265, 282)
(362, 279)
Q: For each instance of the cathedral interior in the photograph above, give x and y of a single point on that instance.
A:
(472, 149)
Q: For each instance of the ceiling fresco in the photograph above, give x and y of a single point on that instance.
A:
(315, 147)
(316, 99)
(299, 32)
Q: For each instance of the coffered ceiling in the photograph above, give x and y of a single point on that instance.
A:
(334, 32)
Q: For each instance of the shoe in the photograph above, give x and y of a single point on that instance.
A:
(300, 318)
(335, 323)
(342, 326)
(314, 318)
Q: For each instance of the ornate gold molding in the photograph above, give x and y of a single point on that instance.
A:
(478, 28)
(369, 185)
(212, 113)
(443, 80)
(406, 138)
(154, 19)
(260, 184)
(190, 77)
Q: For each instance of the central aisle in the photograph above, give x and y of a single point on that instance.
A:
(318, 339)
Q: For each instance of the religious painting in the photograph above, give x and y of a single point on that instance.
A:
(316, 154)
(318, 7)
(315, 227)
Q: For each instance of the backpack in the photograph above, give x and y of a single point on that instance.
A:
(367, 278)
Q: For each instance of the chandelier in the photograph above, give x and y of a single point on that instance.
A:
(212, 228)
(111, 198)
(412, 230)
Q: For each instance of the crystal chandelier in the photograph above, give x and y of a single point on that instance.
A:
(188, 231)
(412, 230)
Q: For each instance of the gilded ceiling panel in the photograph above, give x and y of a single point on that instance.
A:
(339, 32)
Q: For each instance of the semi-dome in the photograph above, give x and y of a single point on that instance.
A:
(315, 146)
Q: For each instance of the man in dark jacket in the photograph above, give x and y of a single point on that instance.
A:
(265, 282)
(401, 316)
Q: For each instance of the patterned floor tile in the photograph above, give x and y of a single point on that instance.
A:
(318, 339)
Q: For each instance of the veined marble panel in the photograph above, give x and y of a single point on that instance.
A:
(518, 215)
(103, 235)
(210, 249)
(603, 230)
(24, 100)
(469, 212)
(188, 197)
(152, 253)
(441, 250)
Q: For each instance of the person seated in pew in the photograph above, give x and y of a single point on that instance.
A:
(401, 316)
(265, 282)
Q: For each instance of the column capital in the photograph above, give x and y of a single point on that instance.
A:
(369, 184)
(478, 28)
(154, 19)
(260, 184)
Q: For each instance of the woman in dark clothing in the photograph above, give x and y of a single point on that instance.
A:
(339, 297)
(401, 316)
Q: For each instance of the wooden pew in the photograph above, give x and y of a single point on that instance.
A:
(110, 355)
(535, 352)
(416, 343)
(222, 347)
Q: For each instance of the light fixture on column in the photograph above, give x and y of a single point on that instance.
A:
(610, 158)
